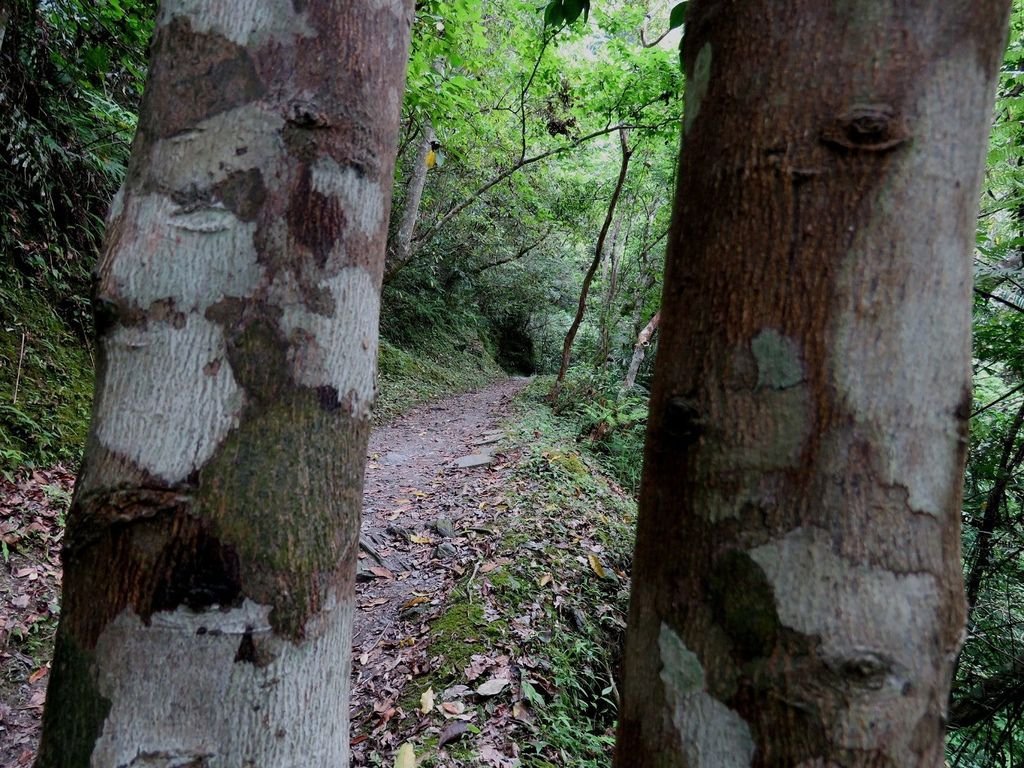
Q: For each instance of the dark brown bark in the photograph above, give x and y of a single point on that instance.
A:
(570, 335)
(797, 594)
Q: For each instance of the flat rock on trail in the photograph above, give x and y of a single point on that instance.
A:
(429, 474)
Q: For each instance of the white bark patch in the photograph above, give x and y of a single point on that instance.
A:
(778, 360)
(362, 199)
(240, 139)
(116, 206)
(338, 350)
(901, 356)
(861, 614)
(195, 257)
(158, 406)
(177, 692)
(697, 86)
(711, 735)
(243, 22)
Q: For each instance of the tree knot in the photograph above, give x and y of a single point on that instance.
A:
(867, 127)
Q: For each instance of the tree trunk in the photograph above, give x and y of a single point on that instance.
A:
(211, 546)
(570, 335)
(401, 252)
(643, 340)
(797, 594)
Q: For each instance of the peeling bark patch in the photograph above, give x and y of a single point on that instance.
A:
(240, 140)
(683, 424)
(696, 86)
(328, 398)
(874, 635)
(157, 405)
(258, 354)
(356, 191)
(315, 220)
(710, 734)
(205, 574)
(249, 486)
(340, 350)
(194, 256)
(244, 22)
(250, 652)
(195, 75)
(779, 364)
(243, 193)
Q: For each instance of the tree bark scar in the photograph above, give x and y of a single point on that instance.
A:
(867, 128)
(683, 422)
(306, 114)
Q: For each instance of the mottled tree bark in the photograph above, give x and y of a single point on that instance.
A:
(211, 545)
(797, 595)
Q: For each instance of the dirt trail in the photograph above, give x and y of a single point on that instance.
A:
(422, 512)
(421, 517)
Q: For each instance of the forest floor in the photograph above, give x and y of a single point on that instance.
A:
(490, 596)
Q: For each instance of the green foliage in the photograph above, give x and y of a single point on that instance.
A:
(70, 78)
(51, 372)
(993, 493)
(609, 423)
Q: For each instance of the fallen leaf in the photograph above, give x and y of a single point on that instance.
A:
(406, 757)
(37, 674)
(379, 572)
(596, 567)
(477, 664)
(427, 701)
(544, 580)
(492, 687)
(417, 539)
(454, 731)
(453, 707)
(456, 691)
(491, 756)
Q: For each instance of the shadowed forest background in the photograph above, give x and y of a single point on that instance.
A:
(535, 161)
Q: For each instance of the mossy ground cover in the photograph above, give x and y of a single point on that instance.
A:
(46, 379)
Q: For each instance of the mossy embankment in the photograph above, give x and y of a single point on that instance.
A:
(46, 375)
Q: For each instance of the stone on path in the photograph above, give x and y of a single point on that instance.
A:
(444, 527)
(473, 460)
(488, 439)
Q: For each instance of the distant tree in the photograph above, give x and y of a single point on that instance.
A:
(211, 545)
(797, 596)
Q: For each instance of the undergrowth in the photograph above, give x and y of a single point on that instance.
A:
(45, 380)
(607, 423)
